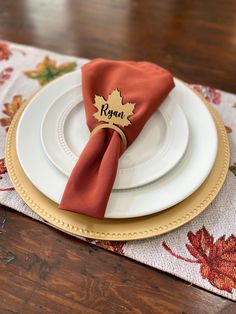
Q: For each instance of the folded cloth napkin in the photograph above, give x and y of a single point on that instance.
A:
(141, 83)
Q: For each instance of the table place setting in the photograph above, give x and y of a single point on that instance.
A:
(123, 155)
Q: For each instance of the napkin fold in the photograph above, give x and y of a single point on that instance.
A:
(143, 83)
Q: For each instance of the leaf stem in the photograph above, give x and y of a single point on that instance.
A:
(19, 50)
(168, 249)
(7, 189)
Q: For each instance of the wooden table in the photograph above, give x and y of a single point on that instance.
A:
(45, 271)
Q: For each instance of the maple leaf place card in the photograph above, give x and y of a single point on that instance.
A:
(112, 110)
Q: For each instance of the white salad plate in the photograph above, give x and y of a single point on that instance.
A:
(64, 134)
(156, 196)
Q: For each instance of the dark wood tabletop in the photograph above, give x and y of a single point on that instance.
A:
(43, 270)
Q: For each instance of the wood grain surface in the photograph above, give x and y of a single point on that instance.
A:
(45, 271)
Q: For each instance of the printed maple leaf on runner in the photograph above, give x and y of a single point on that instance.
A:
(47, 70)
(217, 259)
(112, 110)
(10, 110)
(4, 51)
(3, 170)
(232, 168)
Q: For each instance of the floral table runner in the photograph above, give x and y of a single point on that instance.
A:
(205, 253)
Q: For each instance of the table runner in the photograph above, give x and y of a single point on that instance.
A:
(202, 252)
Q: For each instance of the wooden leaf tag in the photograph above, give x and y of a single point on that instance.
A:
(112, 110)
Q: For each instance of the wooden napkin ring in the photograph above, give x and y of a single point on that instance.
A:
(115, 128)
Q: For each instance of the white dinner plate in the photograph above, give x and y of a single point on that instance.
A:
(64, 134)
(169, 190)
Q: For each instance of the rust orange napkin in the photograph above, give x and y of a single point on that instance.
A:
(141, 83)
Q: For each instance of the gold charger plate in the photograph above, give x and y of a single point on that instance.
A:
(120, 229)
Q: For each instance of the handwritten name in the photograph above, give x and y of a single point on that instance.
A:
(109, 113)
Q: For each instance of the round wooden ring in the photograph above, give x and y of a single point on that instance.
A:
(115, 128)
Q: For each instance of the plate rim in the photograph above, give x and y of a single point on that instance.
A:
(121, 229)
